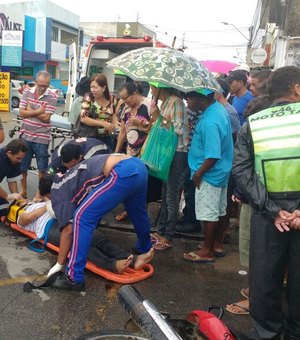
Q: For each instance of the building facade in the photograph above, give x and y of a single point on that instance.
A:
(48, 30)
(278, 32)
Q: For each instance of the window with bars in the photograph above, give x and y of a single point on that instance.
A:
(54, 33)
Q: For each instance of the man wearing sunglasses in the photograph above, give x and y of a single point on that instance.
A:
(36, 107)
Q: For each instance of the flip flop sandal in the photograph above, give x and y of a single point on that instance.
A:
(219, 253)
(162, 246)
(216, 253)
(244, 310)
(194, 257)
(122, 216)
(153, 239)
(244, 293)
(153, 236)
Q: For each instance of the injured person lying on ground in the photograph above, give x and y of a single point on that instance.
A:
(103, 253)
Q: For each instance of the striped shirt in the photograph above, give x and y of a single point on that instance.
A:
(193, 117)
(173, 110)
(33, 129)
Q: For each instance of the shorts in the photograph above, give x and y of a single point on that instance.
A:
(41, 153)
(210, 202)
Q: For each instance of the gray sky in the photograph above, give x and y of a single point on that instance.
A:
(198, 21)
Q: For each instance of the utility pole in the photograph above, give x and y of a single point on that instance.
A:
(228, 24)
(173, 42)
(183, 47)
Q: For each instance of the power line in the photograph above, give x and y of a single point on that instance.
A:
(215, 44)
(166, 30)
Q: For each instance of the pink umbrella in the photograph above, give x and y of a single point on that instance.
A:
(218, 66)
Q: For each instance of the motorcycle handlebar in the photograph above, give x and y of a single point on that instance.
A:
(146, 315)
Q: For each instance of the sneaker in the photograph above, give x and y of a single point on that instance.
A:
(63, 281)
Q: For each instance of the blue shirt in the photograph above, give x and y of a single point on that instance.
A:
(240, 103)
(213, 139)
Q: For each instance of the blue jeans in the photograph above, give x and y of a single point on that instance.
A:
(170, 196)
(41, 153)
(127, 183)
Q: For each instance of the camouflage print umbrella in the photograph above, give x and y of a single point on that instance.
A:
(165, 67)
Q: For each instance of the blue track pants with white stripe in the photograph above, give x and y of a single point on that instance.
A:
(126, 184)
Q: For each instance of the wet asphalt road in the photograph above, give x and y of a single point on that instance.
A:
(176, 286)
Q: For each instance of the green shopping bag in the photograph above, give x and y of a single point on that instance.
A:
(159, 149)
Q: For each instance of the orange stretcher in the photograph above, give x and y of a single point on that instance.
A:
(130, 275)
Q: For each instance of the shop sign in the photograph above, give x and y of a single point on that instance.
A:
(12, 45)
(8, 25)
(4, 91)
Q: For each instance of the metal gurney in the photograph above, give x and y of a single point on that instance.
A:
(61, 128)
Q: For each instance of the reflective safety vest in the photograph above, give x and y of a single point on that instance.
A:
(276, 139)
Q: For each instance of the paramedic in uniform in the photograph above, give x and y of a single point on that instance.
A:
(83, 195)
(11, 156)
(266, 170)
(66, 156)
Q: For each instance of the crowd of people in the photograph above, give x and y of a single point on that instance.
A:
(239, 146)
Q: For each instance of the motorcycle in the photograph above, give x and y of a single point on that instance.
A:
(148, 323)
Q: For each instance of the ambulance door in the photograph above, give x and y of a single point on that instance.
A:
(72, 77)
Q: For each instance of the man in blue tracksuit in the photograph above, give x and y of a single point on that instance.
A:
(84, 194)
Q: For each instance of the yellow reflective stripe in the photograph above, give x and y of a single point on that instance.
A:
(276, 132)
(276, 144)
(275, 121)
(281, 175)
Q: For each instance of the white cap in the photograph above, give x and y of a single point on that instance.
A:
(243, 67)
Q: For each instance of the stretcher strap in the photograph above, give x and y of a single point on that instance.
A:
(43, 237)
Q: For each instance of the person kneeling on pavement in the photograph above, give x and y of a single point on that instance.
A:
(103, 253)
(11, 156)
(83, 195)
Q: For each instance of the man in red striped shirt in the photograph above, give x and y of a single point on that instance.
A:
(36, 107)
